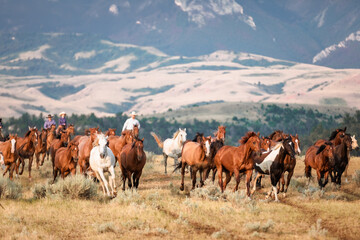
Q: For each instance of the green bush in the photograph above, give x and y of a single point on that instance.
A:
(10, 189)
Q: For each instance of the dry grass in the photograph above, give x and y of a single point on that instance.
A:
(160, 210)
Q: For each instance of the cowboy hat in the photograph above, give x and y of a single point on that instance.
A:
(133, 113)
(49, 116)
(62, 113)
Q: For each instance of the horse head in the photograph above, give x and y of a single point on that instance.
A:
(182, 135)
(74, 149)
(102, 141)
(252, 140)
(111, 132)
(135, 131)
(348, 141)
(138, 144)
(70, 129)
(327, 150)
(337, 135)
(265, 144)
(64, 138)
(13, 139)
(206, 143)
(354, 144)
(289, 147)
(296, 142)
(221, 132)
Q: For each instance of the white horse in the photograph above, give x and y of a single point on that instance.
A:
(102, 160)
(172, 147)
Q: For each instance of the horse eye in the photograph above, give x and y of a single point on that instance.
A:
(254, 143)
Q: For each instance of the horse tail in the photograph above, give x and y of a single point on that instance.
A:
(178, 166)
(158, 140)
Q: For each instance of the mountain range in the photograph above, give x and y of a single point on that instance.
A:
(323, 32)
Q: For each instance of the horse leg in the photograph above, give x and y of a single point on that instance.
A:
(112, 180)
(42, 159)
(193, 177)
(137, 178)
(308, 173)
(282, 182)
(6, 169)
(165, 162)
(22, 161)
(129, 179)
(319, 178)
(257, 175)
(237, 178)
(101, 173)
(227, 179)
(258, 181)
(101, 182)
(288, 180)
(183, 164)
(55, 172)
(326, 177)
(37, 159)
(30, 165)
(220, 178)
(11, 171)
(248, 180)
(214, 174)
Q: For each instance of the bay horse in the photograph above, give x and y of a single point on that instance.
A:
(272, 163)
(194, 154)
(41, 148)
(172, 147)
(335, 137)
(341, 157)
(65, 160)
(289, 165)
(214, 148)
(26, 149)
(116, 144)
(133, 160)
(322, 160)
(103, 160)
(236, 160)
(111, 132)
(9, 153)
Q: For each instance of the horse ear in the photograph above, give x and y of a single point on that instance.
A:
(142, 139)
(296, 135)
(345, 129)
(184, 129)
(29, 127)
(258, 134)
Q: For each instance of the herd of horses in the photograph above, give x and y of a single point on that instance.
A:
(96, 153)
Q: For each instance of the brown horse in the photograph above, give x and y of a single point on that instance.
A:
(9, 152)
(335, 137)
(322, 160)
(65, 160)
(51, 135)
(278, 135)
(195, 155)
(116, 144)
(88, 132)
(220, 133)
(236, 160)
(289, 165)
(133, 160)
(214, 148)
(41, 148)
(26, 149)
(86, 143)
(342, 157)
(111, 132)
(70, 131)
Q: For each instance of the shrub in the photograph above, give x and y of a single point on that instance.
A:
(316, 230)
(221, 234)
(356, 177)
(39, 191)
(10, 189)
(105, 227)
(74, 187)
(258, 227)
(128, 196)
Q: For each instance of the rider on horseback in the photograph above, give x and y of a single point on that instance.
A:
(49, 122)
(130, 122)
(62, 123)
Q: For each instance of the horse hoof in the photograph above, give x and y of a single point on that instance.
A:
(182, 188)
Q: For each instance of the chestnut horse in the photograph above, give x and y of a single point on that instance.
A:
(51, 135)
(133, 160)
(220, 134)
(86, 143)
(65, 160)
(289, 165)
(9, 153)
(41, 148)
(335, 137)
(322, 160)
(236, 160)
(116, 144)
(272, 163)
(278, 135)
(342, 157)
(172, 147)
(195, 155)
(58, 143)
(26, 149)
(111, 132)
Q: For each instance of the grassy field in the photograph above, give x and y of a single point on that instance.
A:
(158, 210)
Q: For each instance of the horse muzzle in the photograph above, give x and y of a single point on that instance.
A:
(102, 155)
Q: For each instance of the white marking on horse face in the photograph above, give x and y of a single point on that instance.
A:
(13, 141)
(2, 162)
(354, 143)
(207, 145)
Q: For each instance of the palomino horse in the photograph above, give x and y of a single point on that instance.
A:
(289, 165)
(272, 164)
(116, 144)
(322, 160)
(236, 160)
(26, 149)
(65, 160)
(103, 160)
(133, 160)
(194, 154)
(342, 157)
(41, 148)
(9, 153)
(172, 147)
(110, 132)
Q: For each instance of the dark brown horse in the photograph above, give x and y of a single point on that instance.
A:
(194, 154)
(116, 144)
(289, 165)
(322, 160)
(272, 163)
(9, 152)
(65, 160)
(214, 148)
(236, 160)
(341, 157)
(133, 160)
(111, 132)
(41, 148)
(26, 149)
(335, 137)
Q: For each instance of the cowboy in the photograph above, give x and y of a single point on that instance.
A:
(49, 122)
(130, 122)
(62, 122)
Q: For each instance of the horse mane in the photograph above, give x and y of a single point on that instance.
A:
(247, 136)
(198, 135)
(28, 133)
(275, 132)
(176, 134)
(334, 133)
(321, 148)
